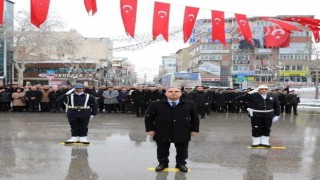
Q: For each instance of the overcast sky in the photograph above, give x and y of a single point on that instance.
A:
(107, 21)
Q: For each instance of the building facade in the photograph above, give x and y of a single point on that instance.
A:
(248, 66)
(81, 64)
(6, 44)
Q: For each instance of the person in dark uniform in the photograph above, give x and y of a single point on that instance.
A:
(201, 99)
(294, 101)
(82, 107)
(264, 109)
(172, 120)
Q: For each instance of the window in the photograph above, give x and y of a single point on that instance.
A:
(293, 68)
(299, 67)
(286, 67)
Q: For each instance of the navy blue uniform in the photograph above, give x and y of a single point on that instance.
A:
(79, 111)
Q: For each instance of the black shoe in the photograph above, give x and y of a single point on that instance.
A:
(256, 145)
(266, 146)
(182, 167)
(296, 114)
(161, 167)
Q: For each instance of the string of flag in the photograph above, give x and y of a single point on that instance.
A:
(282, 26)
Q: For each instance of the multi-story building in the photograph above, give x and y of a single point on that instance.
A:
(81, 64)
(244, 65)
(6, 43)
(169, 64)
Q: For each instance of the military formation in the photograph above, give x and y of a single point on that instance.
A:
(135, 99)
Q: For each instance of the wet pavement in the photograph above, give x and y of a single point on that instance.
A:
(121, 150)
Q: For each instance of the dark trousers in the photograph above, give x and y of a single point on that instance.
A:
(261, 126)
(163, 152)
(111, 107)
(33, 106)
(294, 106)
(201, 111)
(79, 126)
(56, 106)
(282, 106)
(140, 109)
(288, 108)
(18, 108)
(122, 106)
(45, 106)
(5, 106)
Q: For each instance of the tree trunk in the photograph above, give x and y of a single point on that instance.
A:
(316, 84)
(20, 70)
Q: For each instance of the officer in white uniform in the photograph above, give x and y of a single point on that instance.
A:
(264, 109)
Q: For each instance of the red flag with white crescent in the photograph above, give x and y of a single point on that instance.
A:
(310, 23)
(161, 20)
(39, 11)
(1, 11)
(190, 17)
(303, 20)
(276, 37)
(315, 31)
(218, 26)
(128, 14)
(284, 25)
(91, 5)
(244, 27)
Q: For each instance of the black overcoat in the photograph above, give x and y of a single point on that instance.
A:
(172, 124)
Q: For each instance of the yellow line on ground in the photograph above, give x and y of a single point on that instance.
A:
(75, 144)
(167, 169)
(272, 147)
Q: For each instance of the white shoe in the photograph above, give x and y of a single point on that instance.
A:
(84, 140)
(73, 139)
(265, 141)
(255, 141)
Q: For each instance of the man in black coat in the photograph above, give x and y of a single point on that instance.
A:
(172, 120)
(264, 109)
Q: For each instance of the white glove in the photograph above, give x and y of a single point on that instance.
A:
(91, 117)
(253, 91)
(275, 119)
(70, 91)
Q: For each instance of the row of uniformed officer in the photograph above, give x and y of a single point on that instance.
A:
(81, 108)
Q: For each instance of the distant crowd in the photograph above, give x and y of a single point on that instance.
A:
(125, 99)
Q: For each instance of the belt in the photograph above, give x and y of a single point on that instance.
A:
(250, 110)
(78, 107)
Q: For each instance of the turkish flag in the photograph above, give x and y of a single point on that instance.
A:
(276, 37)
(315, 31)
(1, 11)
(244, 27)
(91, 5)
(190, 17)
(39, 11)
(128, 14)
(161, 20)
(218, 26)
(284, 25)
(310, 23)
(304, 20)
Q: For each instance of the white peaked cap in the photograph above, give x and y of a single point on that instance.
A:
(263, 87)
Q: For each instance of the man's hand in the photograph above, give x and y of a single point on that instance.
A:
(70, 91)
(193, 133)
(275, 119)
(151, 133)
(91, 117)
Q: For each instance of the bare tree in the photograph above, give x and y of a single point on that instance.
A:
(30, 40)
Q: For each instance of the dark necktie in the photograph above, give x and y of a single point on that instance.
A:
(174, 104)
